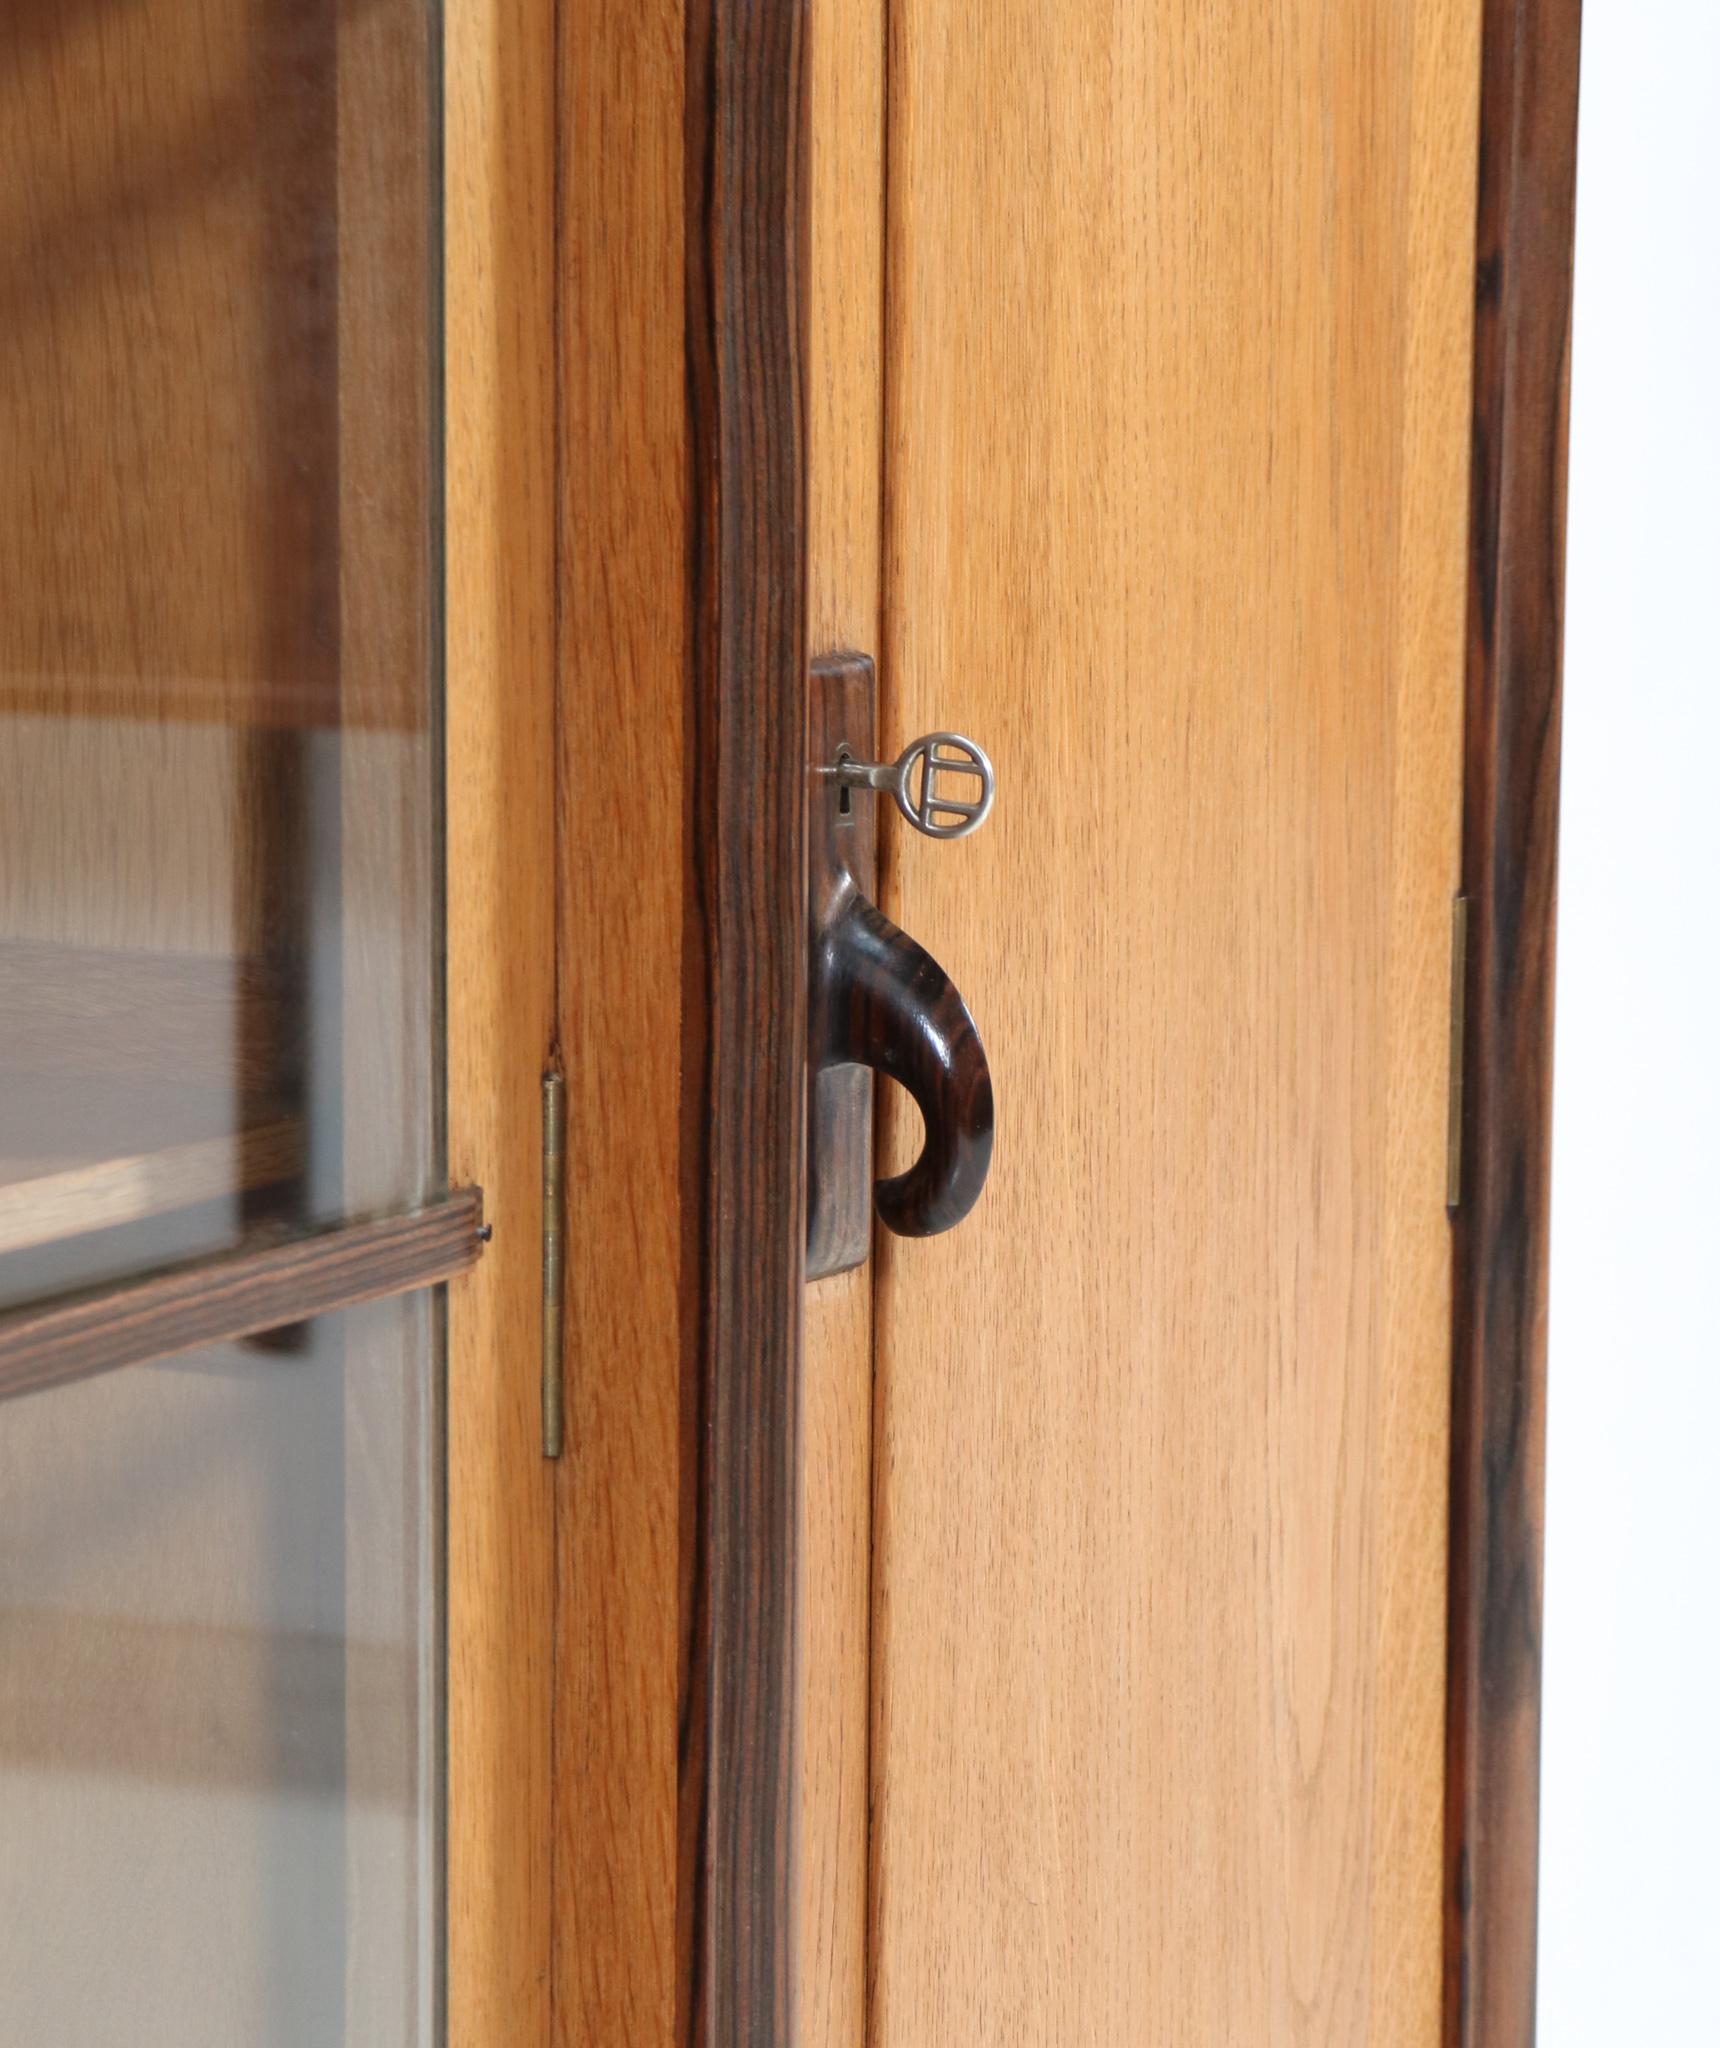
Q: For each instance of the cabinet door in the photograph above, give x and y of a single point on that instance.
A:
(1177, 329)
(248, 1036)
(1040, 1633)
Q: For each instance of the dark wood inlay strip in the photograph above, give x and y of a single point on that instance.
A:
(1510, 834)
(215, 1301)
(744, 1052)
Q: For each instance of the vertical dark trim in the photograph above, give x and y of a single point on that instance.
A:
(746, 1018)
(1510, 825)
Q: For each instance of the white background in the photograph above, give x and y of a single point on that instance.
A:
(1630, 1845)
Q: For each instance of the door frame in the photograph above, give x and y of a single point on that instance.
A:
(680, 655)
(500, 311)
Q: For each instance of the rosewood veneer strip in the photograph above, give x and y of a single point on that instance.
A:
(215, 1301)
(745, 1020)
(1510, 836)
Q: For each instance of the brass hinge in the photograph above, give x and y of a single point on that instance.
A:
(1454, 1086)
(554, 1260)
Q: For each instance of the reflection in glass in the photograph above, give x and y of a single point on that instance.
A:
(217, 958)
(218, 1698)
(219, 970)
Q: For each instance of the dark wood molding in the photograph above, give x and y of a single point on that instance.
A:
(215, 1301)
(1510, 830)
(745, 1010)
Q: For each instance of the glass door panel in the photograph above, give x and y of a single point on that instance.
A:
(220, 960)
(220, 1699)
(217, 629)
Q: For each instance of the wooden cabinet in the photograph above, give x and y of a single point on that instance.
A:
(460, 1579)
(1116, 1619)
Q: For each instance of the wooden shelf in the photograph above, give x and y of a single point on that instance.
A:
(221, 1300)
(45, 1200)
(132, 1085)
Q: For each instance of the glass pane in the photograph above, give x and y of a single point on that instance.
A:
(217, 629)
(219, 1008)
(218, 1698)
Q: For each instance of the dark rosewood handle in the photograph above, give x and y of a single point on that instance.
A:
(887, 1004)
(877, 1002)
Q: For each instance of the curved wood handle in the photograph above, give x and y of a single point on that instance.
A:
(890, 1006)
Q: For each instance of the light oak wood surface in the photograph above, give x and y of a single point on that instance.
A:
(165, 176)
(623, 660)
(501, 310)
(844, 461)
(1177, 351)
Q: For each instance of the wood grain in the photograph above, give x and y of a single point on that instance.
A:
(1176, 388)
(621, 888)
(214, 1301)
(1510, 842)
(744, 1037)
(844, 478)
(681, 920)
(501, 300)
(835, 1660)
(172, 545)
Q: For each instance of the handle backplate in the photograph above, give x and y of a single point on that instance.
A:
(877, 1002)
(842, 859)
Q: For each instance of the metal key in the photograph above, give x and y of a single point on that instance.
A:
(920, 780)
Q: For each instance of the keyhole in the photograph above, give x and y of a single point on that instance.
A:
(844, 795)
